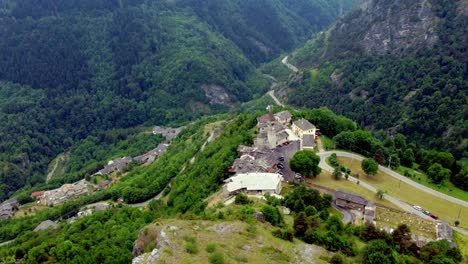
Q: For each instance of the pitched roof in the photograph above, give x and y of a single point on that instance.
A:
(253, 181)
(350, 197)
(308, 140)
(283, 115)
(45, 224)
(37, 194)
(304, 124)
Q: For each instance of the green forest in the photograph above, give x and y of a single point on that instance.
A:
(417, 90)
(73, 69)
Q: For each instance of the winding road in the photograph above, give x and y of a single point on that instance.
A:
(325, 155)
(272, 95)
(324, 165)
(289, 65)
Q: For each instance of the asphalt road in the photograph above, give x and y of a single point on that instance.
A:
(397, 176)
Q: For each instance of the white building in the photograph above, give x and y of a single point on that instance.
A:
(254, 183)
(303, 127)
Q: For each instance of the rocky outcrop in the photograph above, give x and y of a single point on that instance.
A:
(151, 236)
(389, 27)
(217, 94)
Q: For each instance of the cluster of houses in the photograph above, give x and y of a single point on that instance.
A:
(168, 132)
(274, 130)
(119, 164)
(8, 208)
(60, 195)
(256, 168)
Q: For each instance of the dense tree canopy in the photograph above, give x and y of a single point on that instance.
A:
(306, 163)
(369, 166)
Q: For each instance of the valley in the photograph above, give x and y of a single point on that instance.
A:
(221, 132)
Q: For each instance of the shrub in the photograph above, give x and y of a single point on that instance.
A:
(210, 248)
(217, 258)
(242, 199)
(287, 235)
(191, 247)
(337, 258)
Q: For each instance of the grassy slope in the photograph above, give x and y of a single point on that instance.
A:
(448, 187)
(325, 179)
(236, 241)
(409, 194)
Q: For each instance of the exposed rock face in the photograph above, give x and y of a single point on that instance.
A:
(380, 27)
(217, 94)
(151, 234)
(396, 29)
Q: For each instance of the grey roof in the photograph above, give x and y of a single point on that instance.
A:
(350, 197)
(284, 115)
(45, 224)
(116, 164)
(304, 124)
(308, 140)
(444, 231)
(282, 135)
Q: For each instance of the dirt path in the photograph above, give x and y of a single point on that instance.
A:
(320, 145)
(289, 65)
(272, 95)
(60, 158)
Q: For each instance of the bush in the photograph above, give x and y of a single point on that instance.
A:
(217, 258)
(311, 236)
(310, 210)
(210, 248)
(191, 247)
(242, 199)
(284, 234)
(337, 258)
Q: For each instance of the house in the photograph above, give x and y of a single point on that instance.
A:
(37, 195)
(283, 117)
(254, 159)
(308, 142)
(254, 183)
(350, 200)
(115, 165)
(302, 127)
(45, 225)
(169, 133)
(151, 155)
(281, 137)
(65, 193)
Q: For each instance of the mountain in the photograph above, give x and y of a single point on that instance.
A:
(69, 68)
(395, 67)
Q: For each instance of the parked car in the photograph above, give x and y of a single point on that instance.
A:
(280, 166)
(279, 146)
(434, 216)
(281, 158)
(298, 176)
(417, 207)
(280, 172)
(286, 143)
(426, 212)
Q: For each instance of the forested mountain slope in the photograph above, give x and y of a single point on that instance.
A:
(70, 68)
(394, 66)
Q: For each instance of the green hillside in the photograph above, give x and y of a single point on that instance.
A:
(70, 68)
